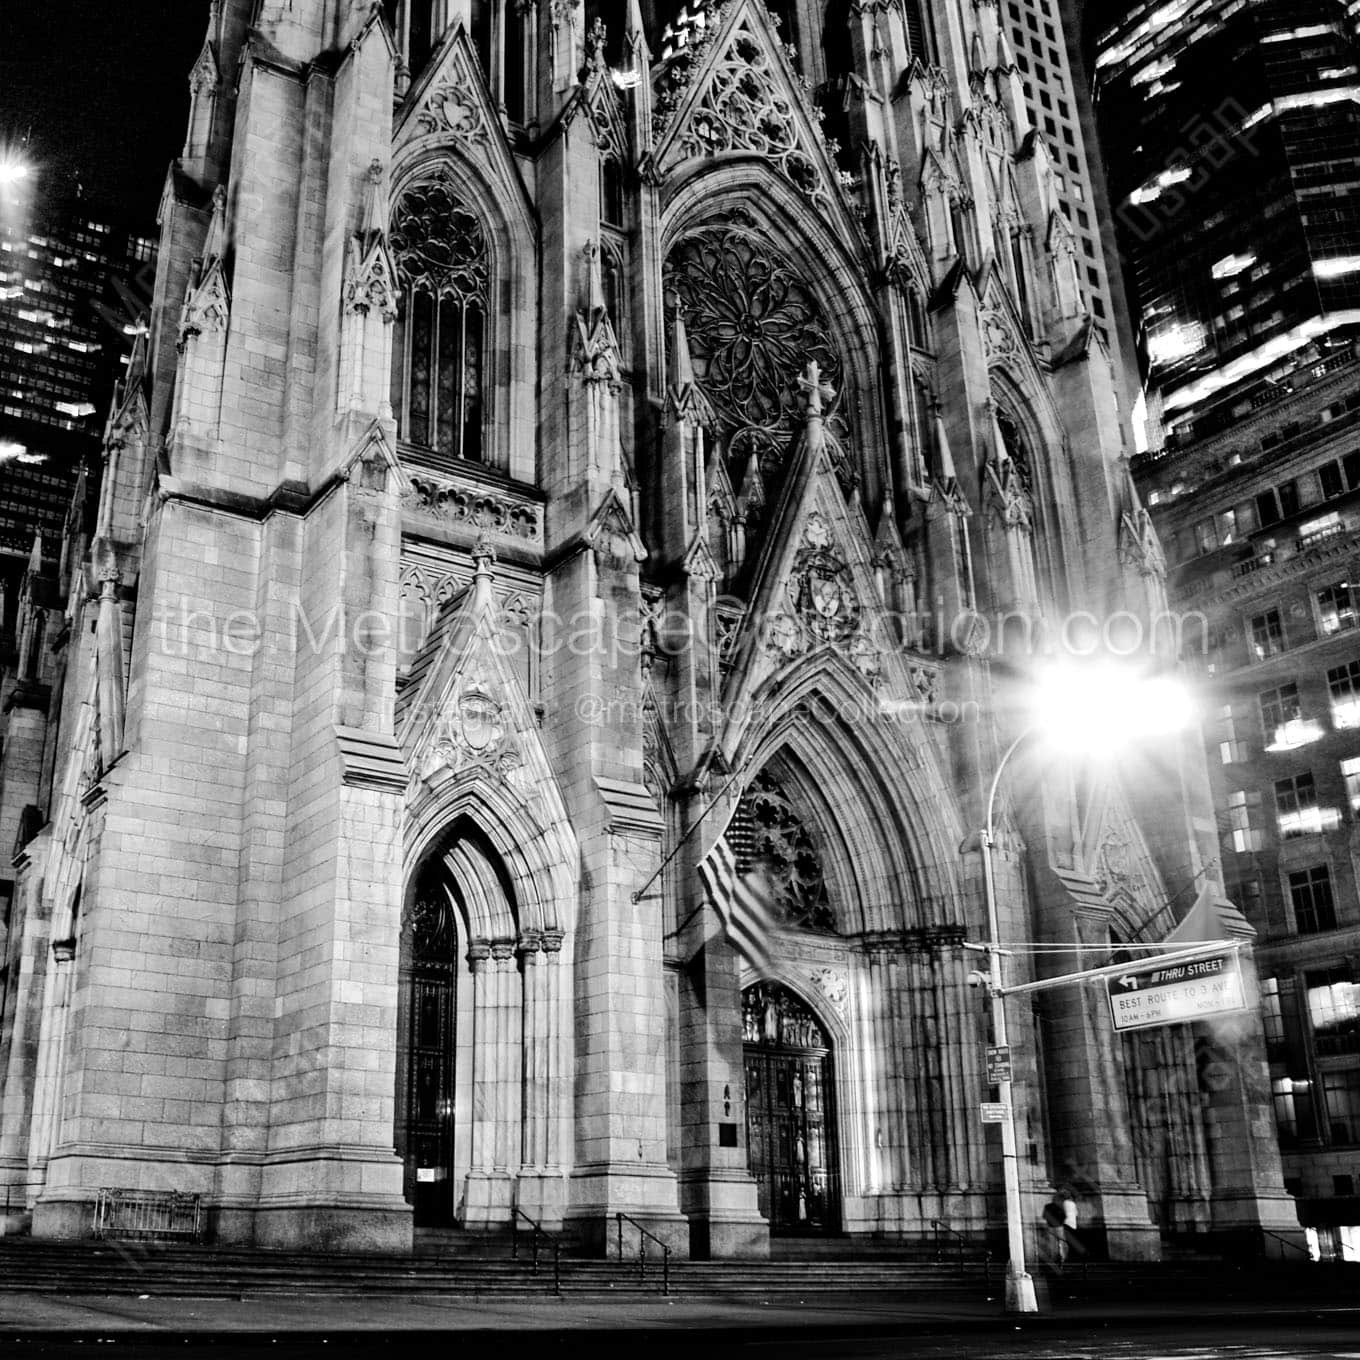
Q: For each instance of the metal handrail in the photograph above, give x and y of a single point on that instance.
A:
(1297, 1246)
(538, 1231)
(963, 1242)
(643, 1234)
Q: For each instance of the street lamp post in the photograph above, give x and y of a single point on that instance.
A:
(1019, 1286)
(1088, 708)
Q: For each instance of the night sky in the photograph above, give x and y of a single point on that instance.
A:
(101, 87)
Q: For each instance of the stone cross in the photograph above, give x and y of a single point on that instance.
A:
(814, 390)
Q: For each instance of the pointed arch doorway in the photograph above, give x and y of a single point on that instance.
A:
(790, 1112)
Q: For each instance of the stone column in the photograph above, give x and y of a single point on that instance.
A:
(478, 1196)
(51, 1061)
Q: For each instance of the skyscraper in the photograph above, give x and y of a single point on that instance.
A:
(68, 300)
(580, 485)
(1233, 144)
(1232, 137)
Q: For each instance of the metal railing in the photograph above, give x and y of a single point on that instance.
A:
(644, 1236)
(538, 1233)
(1288, 1242)
(964, 1246)
(148, 1215)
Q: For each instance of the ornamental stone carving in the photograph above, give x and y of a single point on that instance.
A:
(438, 243)
(455, 106)
(823, 588)
(475, 732)
(998, 337)
(769, 837)
(473, 508)
(753, 326)
(770, 1014)
(833, 986)
(744, 106)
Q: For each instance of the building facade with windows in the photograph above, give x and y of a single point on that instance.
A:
(1264, 522)
(1230, 132)
(564, 513)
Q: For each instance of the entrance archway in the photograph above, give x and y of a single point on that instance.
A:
(790, 1112)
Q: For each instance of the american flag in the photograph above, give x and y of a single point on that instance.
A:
(743, 896)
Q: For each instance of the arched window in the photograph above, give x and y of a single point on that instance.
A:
(517, 81)
(420, 35)
(1016, 448)
(611, 192)
(480, 31)
(918, 32)
(916, 318)
(785, 12)
(441, 256)
(611, 279)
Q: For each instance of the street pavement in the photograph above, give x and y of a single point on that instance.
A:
(649, 1328)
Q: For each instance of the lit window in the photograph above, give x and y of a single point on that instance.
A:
(1244, 818)
(1267, 634)
(1310, 891)
(1336, 608)
(1298, 813)
(1341, 1095)
(1272, 1014)
(1343, 682)
(1286, 1114)
(1279, 707)
(1333, 1010)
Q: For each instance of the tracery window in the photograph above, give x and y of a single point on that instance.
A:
(753, 325)
(611, 192)
(440, 252)
(767, 834)
(611, 279)
(1015, 447)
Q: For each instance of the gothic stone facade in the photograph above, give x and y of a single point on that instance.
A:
(563, 486)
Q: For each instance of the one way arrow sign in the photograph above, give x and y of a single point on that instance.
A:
(1160, 994)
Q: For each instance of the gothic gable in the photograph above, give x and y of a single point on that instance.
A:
(1115, 856)
(739, 95)
(465, 716)
(598, 100)
(815, 585)
(451, 105)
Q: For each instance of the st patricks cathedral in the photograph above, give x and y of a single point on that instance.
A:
(578, 464)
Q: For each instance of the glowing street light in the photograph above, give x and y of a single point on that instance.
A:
(13, 172)
(1088, 709)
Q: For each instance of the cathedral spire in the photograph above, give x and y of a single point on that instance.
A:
(684, 397)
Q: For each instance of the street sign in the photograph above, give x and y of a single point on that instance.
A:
(998, 1064)
(1149, 995)
(994, 1112)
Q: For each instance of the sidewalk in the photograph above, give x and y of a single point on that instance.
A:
(662, 1322)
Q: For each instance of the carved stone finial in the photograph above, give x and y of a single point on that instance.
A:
(814, 390)
(483, 555)
(375, 210)
(596, 40)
